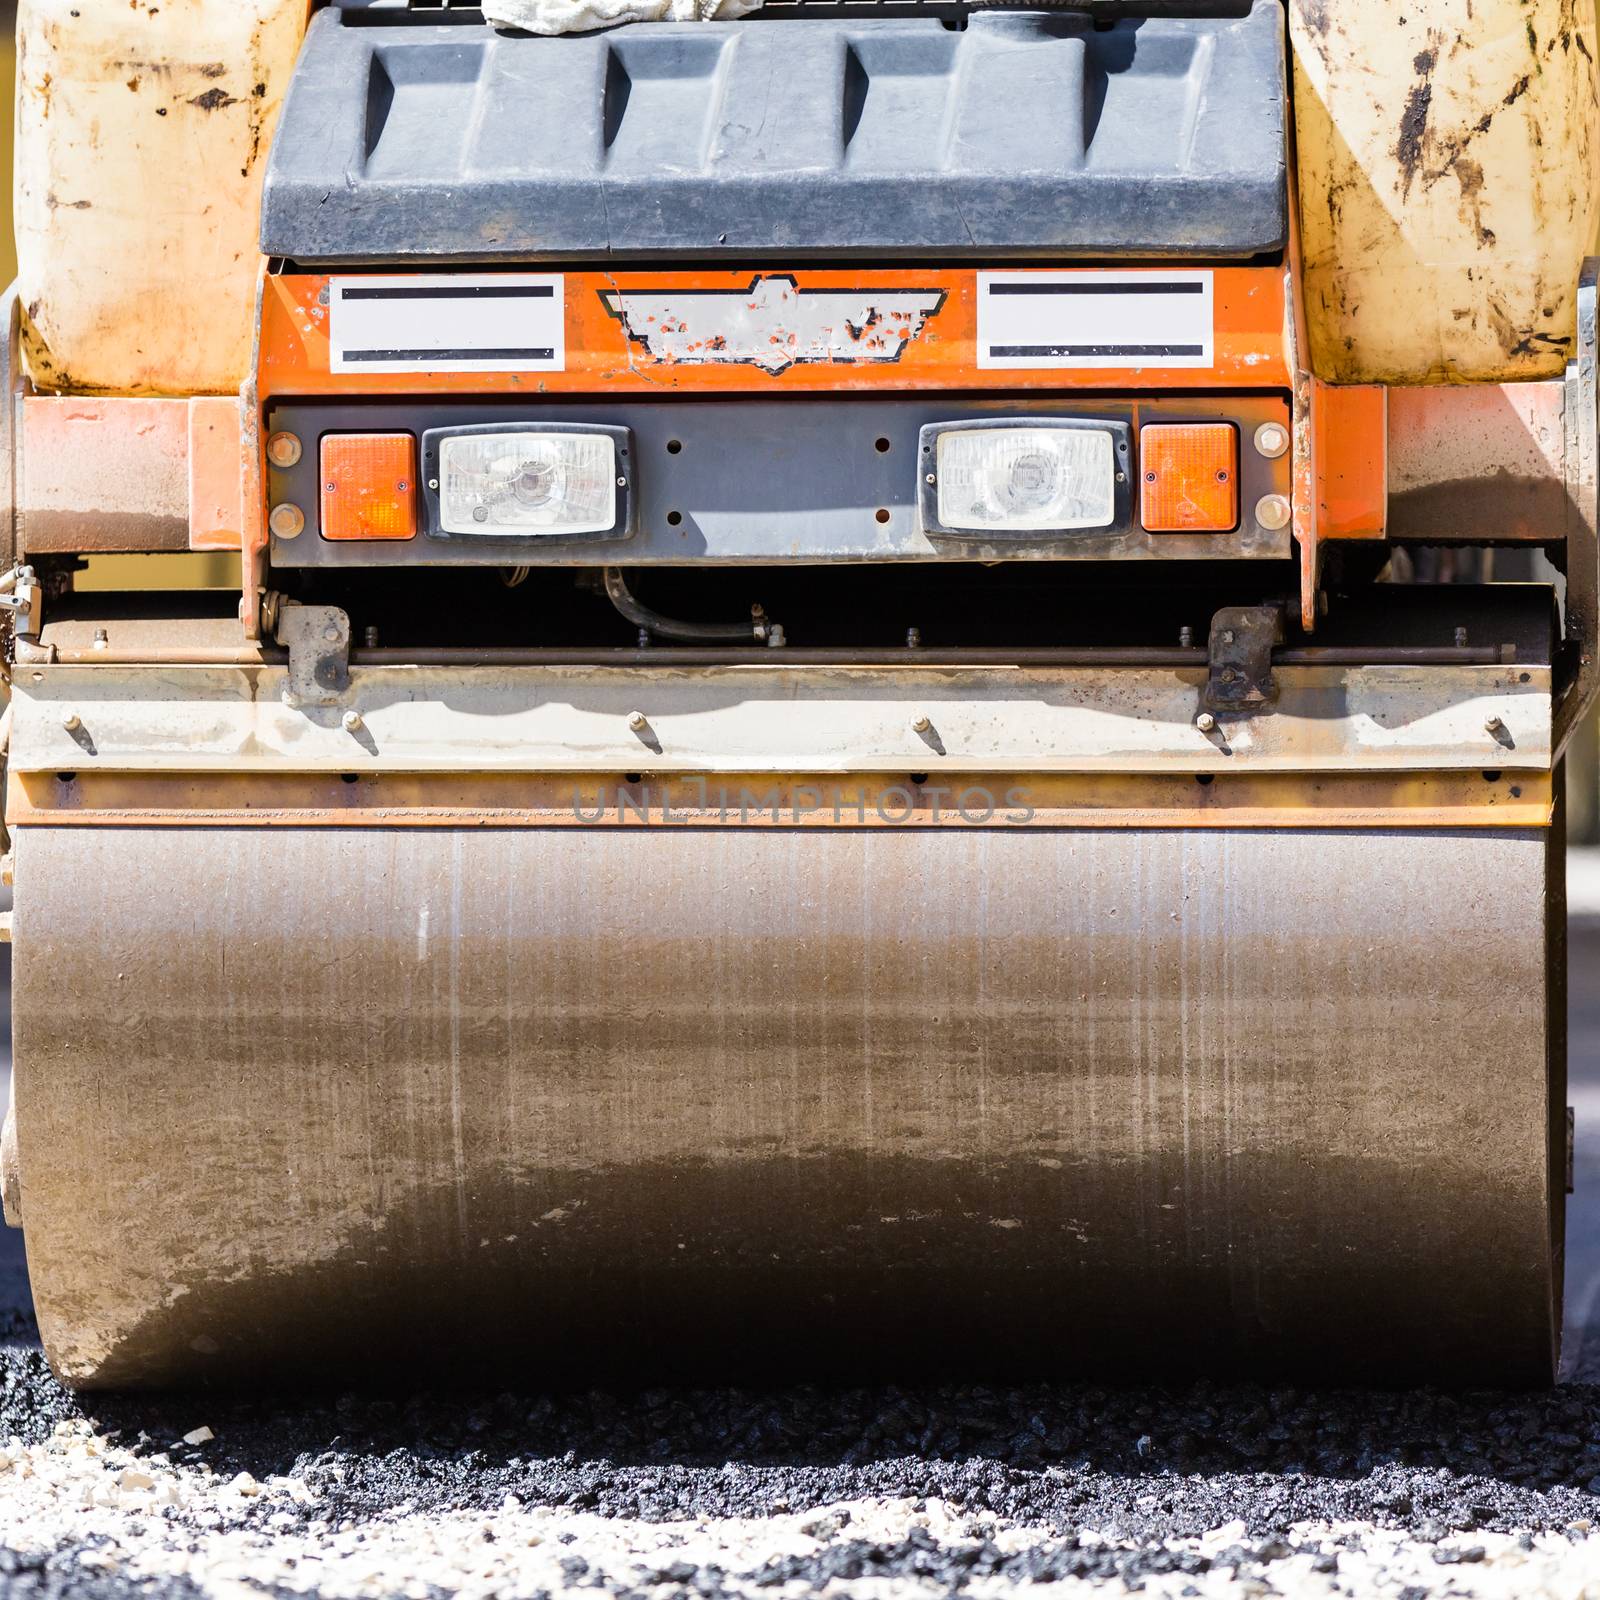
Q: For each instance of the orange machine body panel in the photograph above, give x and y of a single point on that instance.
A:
(934, 349)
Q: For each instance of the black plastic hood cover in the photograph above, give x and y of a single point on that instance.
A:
(1022, 135)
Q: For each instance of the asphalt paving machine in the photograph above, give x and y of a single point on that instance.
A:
(889, 696)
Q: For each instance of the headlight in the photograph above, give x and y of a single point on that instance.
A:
(1003, 478)
(529, 481)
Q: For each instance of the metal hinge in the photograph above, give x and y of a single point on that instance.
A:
(1240, 658)
(318, 641)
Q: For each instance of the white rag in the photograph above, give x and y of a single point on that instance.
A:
(583, 16)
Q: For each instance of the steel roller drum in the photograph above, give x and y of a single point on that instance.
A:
(654, 1102)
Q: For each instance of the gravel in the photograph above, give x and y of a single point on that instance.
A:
(1205, 1490)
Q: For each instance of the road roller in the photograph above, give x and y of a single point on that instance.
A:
(872, 688)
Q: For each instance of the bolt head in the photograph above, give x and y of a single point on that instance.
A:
(921, 724)
(284, 450)
(1272, 439)
(1274, 512)
(351, 722)
(287, 521)
(1493, 725)
(1205, 722)
(71, 721)
(638, 721)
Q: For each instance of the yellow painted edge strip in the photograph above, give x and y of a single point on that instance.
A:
(1005, 800)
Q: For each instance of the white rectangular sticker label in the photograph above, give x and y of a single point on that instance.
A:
(1095, 319)
(510, 322)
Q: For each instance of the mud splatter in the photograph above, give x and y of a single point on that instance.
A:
(1410, 146)
(1469, 174)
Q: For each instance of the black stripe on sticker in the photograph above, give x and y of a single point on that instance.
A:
(1140, 287)
(1021, 351)
(544, 353)
(451, 291)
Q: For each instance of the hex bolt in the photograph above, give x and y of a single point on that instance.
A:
(1461, 638)
(369, 637)
(1205, 722)
(102, 640)
(1227, 635)
(921, 724)
(1186, 638)
(284, 450)
(351, 722)
(1494, 725)
(287, 521)
(913, 638)
(71, 721)
(638, 721)
(644, 638)
(331, 634)
(1272, 439)
(1273, 512)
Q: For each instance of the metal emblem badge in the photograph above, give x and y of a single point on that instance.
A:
(773, 323)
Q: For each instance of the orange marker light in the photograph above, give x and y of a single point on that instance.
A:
(1189, 477)
(369, 486)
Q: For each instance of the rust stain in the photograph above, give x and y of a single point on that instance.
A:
(213, 100)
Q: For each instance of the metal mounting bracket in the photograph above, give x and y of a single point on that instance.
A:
(20, 594)
(318, 641)
(1240, 657)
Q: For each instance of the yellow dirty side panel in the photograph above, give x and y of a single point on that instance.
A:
(142, 131)
(1448, 184)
